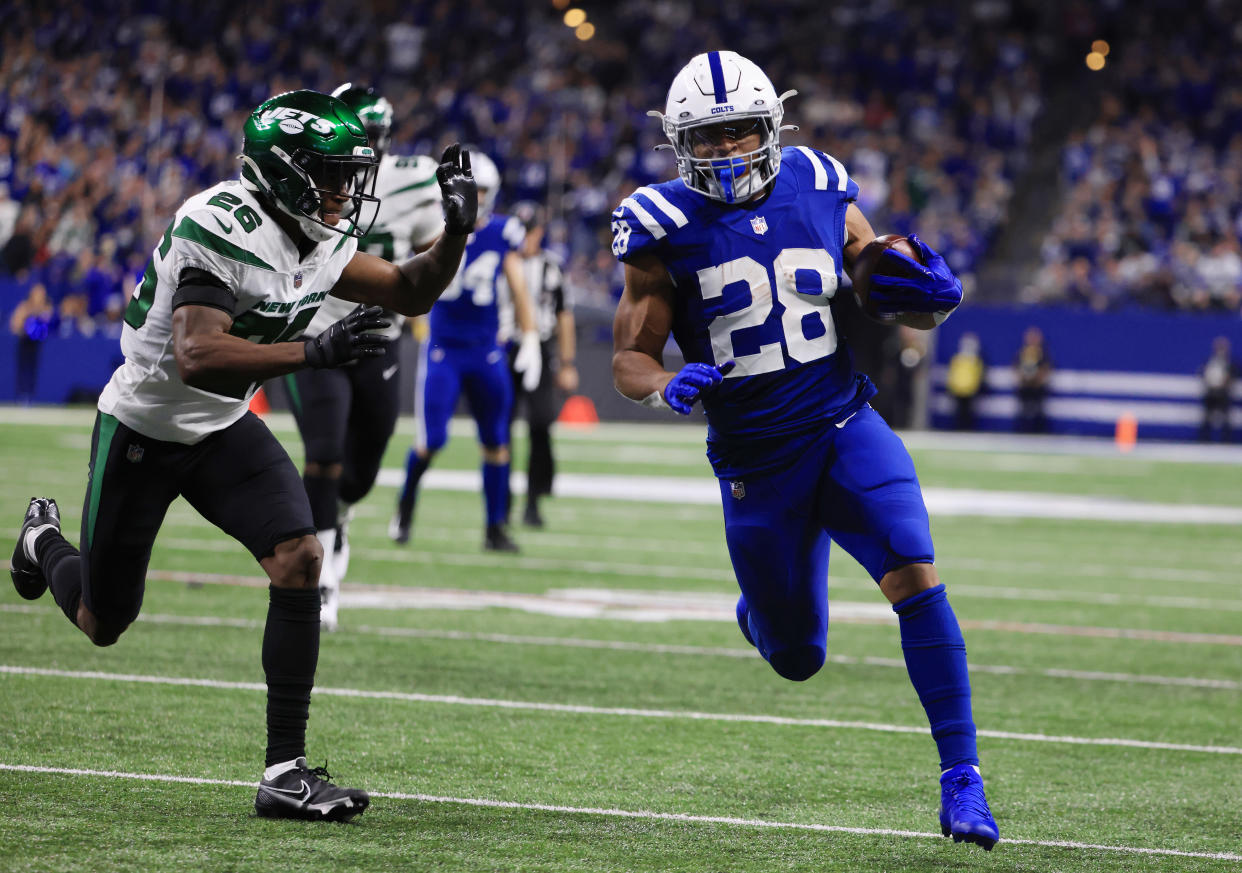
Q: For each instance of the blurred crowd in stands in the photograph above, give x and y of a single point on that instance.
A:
(112, 112)
(1152, 208)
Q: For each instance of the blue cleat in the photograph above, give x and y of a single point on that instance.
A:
(964, 813)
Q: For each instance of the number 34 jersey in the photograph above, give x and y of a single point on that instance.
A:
(272, 294)
(467, 313)
(754, 284)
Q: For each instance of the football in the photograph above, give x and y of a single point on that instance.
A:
(865, 266)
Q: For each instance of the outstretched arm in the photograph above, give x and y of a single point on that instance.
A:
(410, 288)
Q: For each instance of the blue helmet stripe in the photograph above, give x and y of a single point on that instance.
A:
(718, 81)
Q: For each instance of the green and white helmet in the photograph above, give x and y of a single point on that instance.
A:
(302, 146)
(374, 111)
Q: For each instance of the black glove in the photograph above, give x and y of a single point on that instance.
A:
(349, 339)
(460, 193)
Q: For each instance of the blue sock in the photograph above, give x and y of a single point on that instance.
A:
(496, 492)
(415, 467)
(936, 661)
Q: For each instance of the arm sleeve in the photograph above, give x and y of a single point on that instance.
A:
(198, 287)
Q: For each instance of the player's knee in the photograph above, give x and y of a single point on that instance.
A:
(296, 563)
(911, 539)
(496, 454)
(798, 663)
(100, 631)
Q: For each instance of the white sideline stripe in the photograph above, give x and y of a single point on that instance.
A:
(687, 433)
(648, 221)
(627, 712)
(662, 649)
(940, 501)
(662, 203)
(621, 813)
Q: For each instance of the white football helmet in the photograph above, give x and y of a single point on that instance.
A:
(724, 88)
(487, 177)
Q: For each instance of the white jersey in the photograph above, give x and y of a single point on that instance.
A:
(225, 232)
(410, 217)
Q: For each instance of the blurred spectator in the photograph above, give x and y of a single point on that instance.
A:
(1033, 371)
(30, 323)
(1152, 186)
(9, 209)
(965, 381)
(111, 114)
(1217, 376)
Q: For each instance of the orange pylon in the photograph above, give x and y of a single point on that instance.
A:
(579, 411)
(1127, 431)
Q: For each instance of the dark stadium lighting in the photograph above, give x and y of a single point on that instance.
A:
(574, 17)
(584, 31)
(1101, 47)
(1095, 61)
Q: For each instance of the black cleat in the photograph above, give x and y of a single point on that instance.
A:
(399, 529)
(27, 575)
(304, 793)
(531, 517)
(497, 539)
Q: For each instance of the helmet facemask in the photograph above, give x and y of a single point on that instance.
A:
(300, 184)
(730, 178)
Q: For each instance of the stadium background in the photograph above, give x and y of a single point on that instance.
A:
(589, 704)
(1104, 205)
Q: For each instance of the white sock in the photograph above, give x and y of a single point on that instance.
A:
(276, 769)
(28, 544)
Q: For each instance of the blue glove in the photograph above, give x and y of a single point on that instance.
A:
(690, 382)
(915, 288)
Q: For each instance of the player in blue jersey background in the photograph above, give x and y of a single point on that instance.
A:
(463, 354)
(740, 259)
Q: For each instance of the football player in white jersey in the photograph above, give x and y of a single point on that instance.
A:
(347, 415)
(223, 305)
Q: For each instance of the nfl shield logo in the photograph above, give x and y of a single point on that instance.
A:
(759, 224)
(133, 454)
(297, 279)
(737, 489)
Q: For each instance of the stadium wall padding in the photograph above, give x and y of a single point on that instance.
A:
(1106, 364)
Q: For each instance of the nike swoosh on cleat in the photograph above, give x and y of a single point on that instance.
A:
(227, 228)
(303, 793)
(388, 374)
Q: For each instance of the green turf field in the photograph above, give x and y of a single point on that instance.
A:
(590, 705)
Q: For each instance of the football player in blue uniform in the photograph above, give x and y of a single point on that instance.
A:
(463, 353)
(740, 260)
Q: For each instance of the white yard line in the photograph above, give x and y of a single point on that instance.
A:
(940, 501)
(529, 563)
(661, 649)
(617, 711)
(646, 815)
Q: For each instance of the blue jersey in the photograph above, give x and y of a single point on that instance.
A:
(754, 284)
(466, 313)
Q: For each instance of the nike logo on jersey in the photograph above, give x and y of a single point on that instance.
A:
(301, 795)
(227, 228)
(390, 372)
(843, 422)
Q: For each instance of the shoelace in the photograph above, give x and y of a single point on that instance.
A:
(321, 772)
(968, 796)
